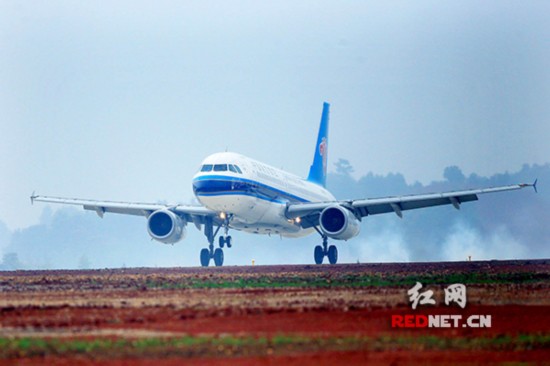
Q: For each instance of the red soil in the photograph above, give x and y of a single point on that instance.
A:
(65, 304)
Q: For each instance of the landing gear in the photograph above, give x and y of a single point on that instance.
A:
(321, 251)
(318, 254)
(228, 241)
(205, 257)
(218, 257)
(210, 253)
(332, 254)
(225, 240)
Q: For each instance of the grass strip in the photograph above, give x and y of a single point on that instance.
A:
(232, 346)
(347, 281)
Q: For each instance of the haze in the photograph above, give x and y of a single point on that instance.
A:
(122, 101)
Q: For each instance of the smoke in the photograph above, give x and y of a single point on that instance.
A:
(510, 225)
(465, 243)
(386, 246)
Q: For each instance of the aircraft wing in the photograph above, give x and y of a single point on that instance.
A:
(195, 214)
(374, 206)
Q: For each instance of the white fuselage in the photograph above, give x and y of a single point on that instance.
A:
(254, 195)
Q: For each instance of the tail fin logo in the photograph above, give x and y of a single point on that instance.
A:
(318, 169)
(323, 152)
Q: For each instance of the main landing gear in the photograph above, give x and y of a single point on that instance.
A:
(210, 253)
(321, 251)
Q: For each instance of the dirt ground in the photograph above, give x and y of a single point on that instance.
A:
(292, 315)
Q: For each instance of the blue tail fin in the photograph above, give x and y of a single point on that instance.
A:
(318, 170)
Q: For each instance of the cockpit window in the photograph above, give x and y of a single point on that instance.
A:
(235, 169)
(220, 167)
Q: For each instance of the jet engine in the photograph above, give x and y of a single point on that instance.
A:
(166, 227)
(339, 223)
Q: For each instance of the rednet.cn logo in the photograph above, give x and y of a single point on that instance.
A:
(455, 293)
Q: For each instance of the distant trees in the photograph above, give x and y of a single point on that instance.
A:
(453, 174)
(343, 167)
(503, 225)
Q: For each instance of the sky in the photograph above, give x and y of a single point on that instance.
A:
(122, 100)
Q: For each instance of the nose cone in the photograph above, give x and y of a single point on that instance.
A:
(195, 186)
(206, 186)
(200, 189)
(199, 185)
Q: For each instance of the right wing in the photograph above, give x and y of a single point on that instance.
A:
(194, 214)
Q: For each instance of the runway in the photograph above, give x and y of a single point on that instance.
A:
(292, 314)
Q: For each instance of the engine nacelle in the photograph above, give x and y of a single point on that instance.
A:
(166, 227)
(338, 222)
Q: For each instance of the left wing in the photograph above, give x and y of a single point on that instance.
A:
(194, 214)
(375, 206)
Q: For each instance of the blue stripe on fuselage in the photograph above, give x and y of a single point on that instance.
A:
(222, 185)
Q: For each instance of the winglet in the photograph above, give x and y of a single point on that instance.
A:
(33, 196)
(318, 169)
(534, 185)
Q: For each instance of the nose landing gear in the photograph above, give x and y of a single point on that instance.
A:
(225, 240)
(210, 253)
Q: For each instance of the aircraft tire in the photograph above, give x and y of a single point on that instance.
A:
(318, 254)
(205, 257)
(221, 241)
(218, 257)
(228, 241)
(332, 254)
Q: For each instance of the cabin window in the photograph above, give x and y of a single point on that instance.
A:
(220, 167)
(206, 168)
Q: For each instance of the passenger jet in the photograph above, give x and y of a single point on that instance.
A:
(240, 193)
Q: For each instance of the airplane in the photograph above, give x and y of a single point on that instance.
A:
(240, 193)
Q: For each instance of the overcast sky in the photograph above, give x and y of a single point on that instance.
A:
(122, 101)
